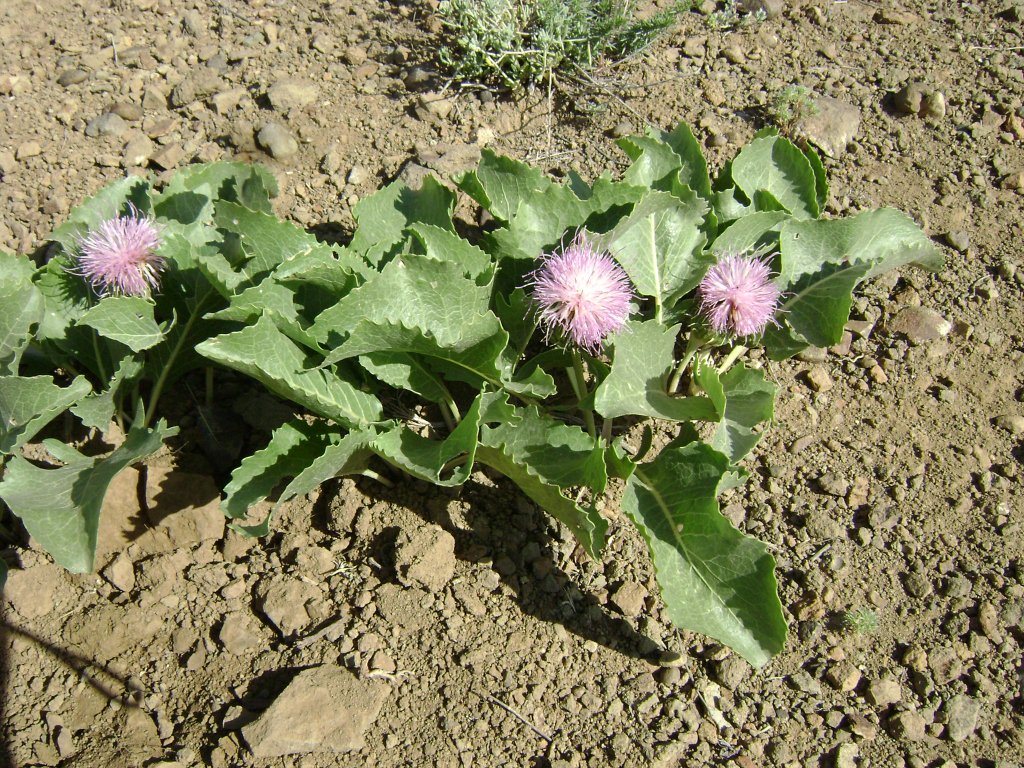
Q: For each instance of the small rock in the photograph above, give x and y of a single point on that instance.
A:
(27, 149)
(1011, 422)
(107, 124)
(138, 151)
(121, 573)
(277, 141)
(802, 681)
(731, 672)
(425, 557)
(621, 129)
(71, 77)
(818, 379)
(831, 126)
(908, 725)
(772, 9)
(961, 714)
(629, 598)
(918, 584)
(286, 602)
(882, 693)
(416, 78)
(861, 726)
(169, 157)
(239, 634)
(354, 55)
(285, 95)
(843, 676)
(919, 324)
(227, 101)
(846, 755)
(944, 665)
(357, 175)
(959, 240)
(431, 105)
(381, 662)
(916, 98)
(126, 111)
(324, 709)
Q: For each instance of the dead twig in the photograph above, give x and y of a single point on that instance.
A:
(519, 717)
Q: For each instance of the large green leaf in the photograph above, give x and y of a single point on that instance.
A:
(384, 216)
(444, 246)
(636, 386)
(61, 507)
(27, 404)
(559, 454)
(745, 399)
(694, 170)
(21, 310)
(96, 410)
(751, 232)
(249, 184)
(265, 353)
(713, 579)
(660, 245)
(500, 184)
(404, 371)
(655, 163)
(586, 524)
(126, 319)
(292, 448)
(775, 165)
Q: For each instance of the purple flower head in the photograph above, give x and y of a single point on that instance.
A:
(582, 293)
(119, 256)
(737, 295)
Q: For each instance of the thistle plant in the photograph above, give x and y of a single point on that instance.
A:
(665, 280)
(120, 256)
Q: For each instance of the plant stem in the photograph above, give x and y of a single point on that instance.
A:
(158, 388)
(577, 378)
(378, 477)
(447, 414)
(694, 343)
(732, 357)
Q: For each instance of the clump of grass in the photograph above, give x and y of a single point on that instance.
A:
(861, 621)
(517, 42)
(791, 105)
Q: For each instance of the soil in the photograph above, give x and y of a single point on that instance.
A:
(463, 628)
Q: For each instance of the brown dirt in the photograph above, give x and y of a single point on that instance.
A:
(895, 486)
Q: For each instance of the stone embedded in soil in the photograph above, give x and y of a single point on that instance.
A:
(919, 325)
(325, 709)
(882, 693)
(425, 557)
(1011, 422)
(831, 127)
(32, 589)
(290, 604)
(292, 93)
(629, 598)
(731, 672)
(107, 124)
(121, 573)
(908, 725)
(846, 755)
(818, 379)
(27, 150)
(71, 77)
(138, 151)
(961, 713)
(277, 141)
(239, 633)
(843, 676)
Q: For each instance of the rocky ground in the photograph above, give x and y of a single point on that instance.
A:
(463, 629)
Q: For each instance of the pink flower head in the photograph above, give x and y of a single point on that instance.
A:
(119, 256)
(582, 293)
(737, 295)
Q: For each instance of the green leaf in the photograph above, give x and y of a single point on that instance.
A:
(694, 170)
(643, 359)
(293, 447)
(660, 245)
(713, 579)
(542, 222)
(559, 454)
(745, 399)
(817, 305)
(751, 232)
(383, 217)
(442, 245)
(267, 241)
(404, 371)
(21, 310)
(270, 357)
(655, 163)
(27, 404)
(126, 319)
(97, 409)
(775, 165)
(500, 184)
(65, 518)
(586, 524)
(249, 184)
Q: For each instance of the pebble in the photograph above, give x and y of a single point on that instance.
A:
(630, 598)
(908, 725)
(28, 149)
(843, 676)
(846, 755)
(919, 324)
(832, 125)
(107, 124)
(958, 240)
(818, 379)
(961, 714)
(425, 557)
(285, 95)
(731, 672)
(277, 141)
(138, 151)
(1011, 422)
(882, 693)
(71, 77)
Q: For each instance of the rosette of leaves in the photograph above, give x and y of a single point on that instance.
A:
(411, 313)
(108, 359)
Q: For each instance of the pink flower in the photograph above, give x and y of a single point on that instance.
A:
(737, 295)
(581, 293)
(119, 256)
